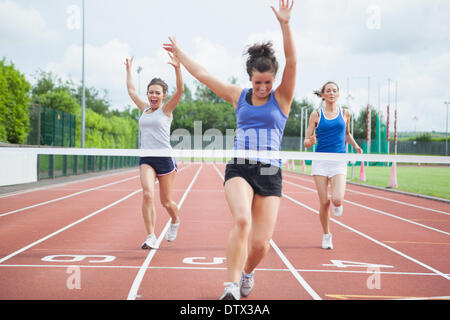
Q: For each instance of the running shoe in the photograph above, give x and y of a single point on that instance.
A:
(171, 234)
(247, 282)
(150, 242)
(326, 241)
(231, 291)
(338, 210)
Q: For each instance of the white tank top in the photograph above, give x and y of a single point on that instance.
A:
(155, 129)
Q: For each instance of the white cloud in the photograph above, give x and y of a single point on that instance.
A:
(332, 38)
(405, 26)
(423, 88)
(217, 59)
(105, 69)
(19, 25)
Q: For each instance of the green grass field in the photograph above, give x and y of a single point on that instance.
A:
(427, 180)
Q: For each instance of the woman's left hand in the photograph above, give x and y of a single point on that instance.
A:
(358, 149)
(284, 12)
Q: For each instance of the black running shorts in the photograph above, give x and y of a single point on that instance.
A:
(265, 179)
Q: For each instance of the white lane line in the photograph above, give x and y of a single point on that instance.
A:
(294, 272)
(68, 226)
(372, 239)
(375, 210)
(400, 202)
(376, 196)
(211, 268)
(397, 217)
(132, 294)
(66, 184)
(288, 264)
(67, 196)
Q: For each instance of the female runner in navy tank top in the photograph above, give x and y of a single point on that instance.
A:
(332, 132)
(252, 187)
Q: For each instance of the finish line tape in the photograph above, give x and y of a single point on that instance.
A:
(216, 153)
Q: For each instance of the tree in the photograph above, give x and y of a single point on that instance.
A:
(14, 99)
(59, 100)
(93, 100)
(50, 91)
(293, 122)
(203, 93)
(360, 124)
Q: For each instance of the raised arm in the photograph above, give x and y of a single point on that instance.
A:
(285, 92)
(228, 92)
(170, 105)
(141, 104)
(310, 139)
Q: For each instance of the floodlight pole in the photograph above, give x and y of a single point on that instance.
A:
(83, 94)
(139, 70)
(446, 129)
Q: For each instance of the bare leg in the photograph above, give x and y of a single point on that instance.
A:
(239, 196)
(165, 194)
(148, 176)
(264, 217)
(324, 210)
(338, 189)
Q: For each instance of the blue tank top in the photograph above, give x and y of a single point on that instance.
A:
(331, 134)
(259, 127)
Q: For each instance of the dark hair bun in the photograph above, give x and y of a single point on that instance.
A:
(261, 50)
(261, 58)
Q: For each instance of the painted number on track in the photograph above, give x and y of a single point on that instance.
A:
(194, 260)
(353, 264)
(78, 258)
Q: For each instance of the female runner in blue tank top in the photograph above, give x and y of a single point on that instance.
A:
(155, 127)
(253, 189)
(332, 132)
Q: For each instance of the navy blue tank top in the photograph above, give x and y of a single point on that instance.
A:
(331, 134)
(259, 128)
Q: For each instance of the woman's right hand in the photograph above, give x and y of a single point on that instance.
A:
(129, 63)
(311, 141)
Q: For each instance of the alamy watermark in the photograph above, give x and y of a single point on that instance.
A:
(373, 21)
(73, 21)
(252, 141)
(374, 280)
(74, 280)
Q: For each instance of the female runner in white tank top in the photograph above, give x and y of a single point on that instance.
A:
(155, 124)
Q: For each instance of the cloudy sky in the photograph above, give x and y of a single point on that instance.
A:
(360, 44)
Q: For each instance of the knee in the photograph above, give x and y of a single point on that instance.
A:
(167, 204)
(260, 246)
(148, 196)
(325, 202)
(243, 224)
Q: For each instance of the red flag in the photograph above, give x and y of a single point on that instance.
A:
(387, 125)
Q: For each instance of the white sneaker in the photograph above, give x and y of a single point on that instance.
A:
(150, 242)
(231, 291)
(171, 234)
(326, 241)
(247, 282)
(338, 210)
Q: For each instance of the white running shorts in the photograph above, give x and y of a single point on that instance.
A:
(328, 168)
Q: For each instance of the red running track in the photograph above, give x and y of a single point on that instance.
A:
(82, 241)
